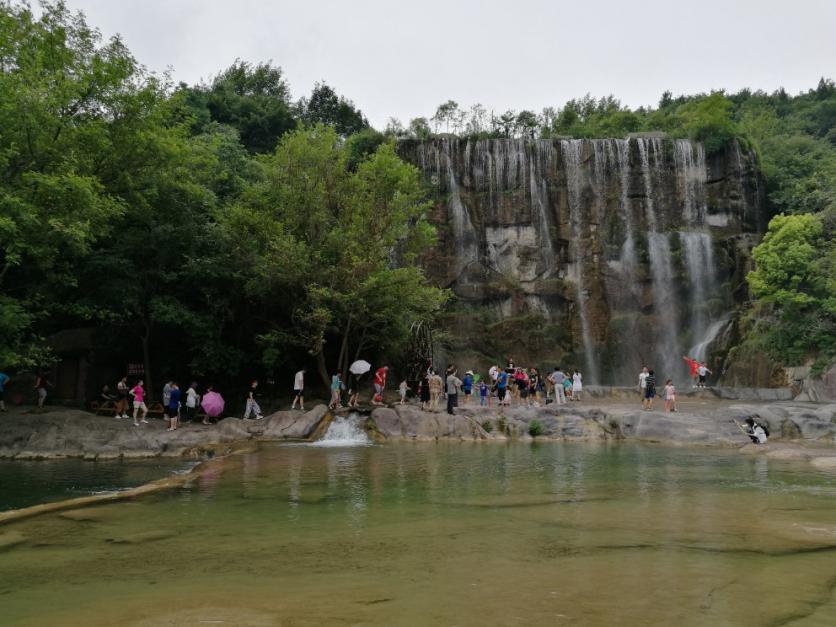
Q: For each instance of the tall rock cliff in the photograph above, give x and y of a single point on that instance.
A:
(604, 254)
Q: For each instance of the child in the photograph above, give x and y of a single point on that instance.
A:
(483, 393)
(567, 388)
(402, 389)
(670, 396)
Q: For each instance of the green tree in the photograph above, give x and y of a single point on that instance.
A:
(326, 107)
(794, 282)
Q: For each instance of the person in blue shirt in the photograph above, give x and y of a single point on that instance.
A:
(467, 385)
(501, 386)
(4, 378)
(483, 394)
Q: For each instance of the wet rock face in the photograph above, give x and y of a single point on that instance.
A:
(605, 254)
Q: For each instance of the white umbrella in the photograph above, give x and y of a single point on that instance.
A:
(360, 367)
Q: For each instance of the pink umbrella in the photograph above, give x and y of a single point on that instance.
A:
(213, 404)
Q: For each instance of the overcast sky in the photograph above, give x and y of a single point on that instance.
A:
(402, 59)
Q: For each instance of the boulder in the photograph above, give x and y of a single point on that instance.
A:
(294, 424)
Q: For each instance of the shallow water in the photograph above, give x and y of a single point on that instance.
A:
(447, 534)
(25, 483)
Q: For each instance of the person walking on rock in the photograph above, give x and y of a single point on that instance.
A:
(424, 391)
(379, 384)
(649, 390)
(40, 389)
(557, 377)
(577, 385)
(166, 395)
(501, 387)
(252, 404)
(122, 398)
(4, 379)
(337, 386)
(138, 392)
(453, 385)
(299, 390)
(173, 408)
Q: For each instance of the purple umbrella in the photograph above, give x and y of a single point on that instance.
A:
(213, 404)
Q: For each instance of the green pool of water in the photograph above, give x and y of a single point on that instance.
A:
(448, 534)
(25, 483)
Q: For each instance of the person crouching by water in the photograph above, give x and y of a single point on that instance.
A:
(453, 385)
(757, 432)
(252, 405)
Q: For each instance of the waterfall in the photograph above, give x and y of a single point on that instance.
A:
(699, 351)
(540, 163)
(571, 151)
(699, 264)
(464, 235)
(689, 162)
(628, 260)
(344, 432)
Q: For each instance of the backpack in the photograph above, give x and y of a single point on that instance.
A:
(762, 426)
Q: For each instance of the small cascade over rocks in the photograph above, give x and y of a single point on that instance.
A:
(602, 254)
(344, 431)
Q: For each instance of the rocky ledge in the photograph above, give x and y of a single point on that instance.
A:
(72, 433)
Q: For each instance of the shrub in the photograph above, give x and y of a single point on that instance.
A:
(535, 428)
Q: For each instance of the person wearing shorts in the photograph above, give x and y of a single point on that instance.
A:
(138, 392)
(649, 390)
(122, 398)
(299, 390)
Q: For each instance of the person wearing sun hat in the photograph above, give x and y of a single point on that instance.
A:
(467, 386)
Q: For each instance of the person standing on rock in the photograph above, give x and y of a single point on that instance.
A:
(167, 395)
(172, 410)
(192, 401)
(670, 396)
(40, 389)
(4, 379)
(557, 377)
(453, 385)
(299, 390)
(649, 389)
(436, 386)
(467, 386)
(138, 392)
(577, 385)
(122, 398)
(403, 388)
(643, 382)
(702, 372)
(501, 386)
(252, 405)
(693, 366)
(379, 384)
(424, 390)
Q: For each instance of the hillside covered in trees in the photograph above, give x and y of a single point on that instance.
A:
(226, 228)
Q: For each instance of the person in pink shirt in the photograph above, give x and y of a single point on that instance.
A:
(138, 392)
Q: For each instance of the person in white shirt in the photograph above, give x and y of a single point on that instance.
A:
(702, 371)
(299, 390)
(192, 399)
(557, 378)
(643, 382)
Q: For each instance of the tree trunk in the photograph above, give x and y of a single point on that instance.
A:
(342, 362)
(146, 360)
(323, 370)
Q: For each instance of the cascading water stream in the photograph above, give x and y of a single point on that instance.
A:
(344, 431)
(571, 151)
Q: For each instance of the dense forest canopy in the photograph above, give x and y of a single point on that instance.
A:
(226, 228)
